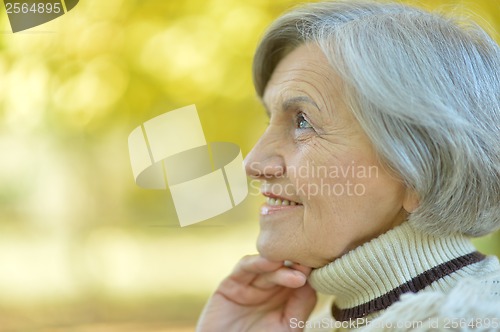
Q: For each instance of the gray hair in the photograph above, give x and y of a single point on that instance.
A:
(425, 89)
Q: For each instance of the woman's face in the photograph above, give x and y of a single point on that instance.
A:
(326, 191)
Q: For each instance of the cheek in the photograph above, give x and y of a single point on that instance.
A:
(325, 177)
(342, 184)
(384, 194)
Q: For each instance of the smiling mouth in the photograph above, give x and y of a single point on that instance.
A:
(276, 204)
(280, 202)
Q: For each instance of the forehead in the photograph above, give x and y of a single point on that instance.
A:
(304, 70)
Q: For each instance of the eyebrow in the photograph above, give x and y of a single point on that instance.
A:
(297, 100)
(288, 103)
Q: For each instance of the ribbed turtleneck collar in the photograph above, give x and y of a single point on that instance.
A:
(373, 276)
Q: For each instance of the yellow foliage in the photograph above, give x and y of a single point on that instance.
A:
(71, 91)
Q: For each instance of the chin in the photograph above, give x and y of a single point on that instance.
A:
(271, 249)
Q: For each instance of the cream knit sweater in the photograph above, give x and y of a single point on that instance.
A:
(406, 280)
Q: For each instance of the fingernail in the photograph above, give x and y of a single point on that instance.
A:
(299, 274)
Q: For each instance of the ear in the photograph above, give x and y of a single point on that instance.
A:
(411, 201)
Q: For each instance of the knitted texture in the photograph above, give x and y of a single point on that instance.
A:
(378, 281)
(471, 306)
(414, 285)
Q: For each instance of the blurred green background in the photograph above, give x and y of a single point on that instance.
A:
(81, 247)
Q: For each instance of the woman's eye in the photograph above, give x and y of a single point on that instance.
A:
(302, 123)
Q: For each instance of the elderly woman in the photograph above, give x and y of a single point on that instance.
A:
(380, 162)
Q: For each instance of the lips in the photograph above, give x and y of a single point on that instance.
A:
(275, 203)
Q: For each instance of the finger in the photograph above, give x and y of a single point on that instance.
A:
(249, 267)
(245, 294)
(300, 304)
(284, 276)
(296, 266)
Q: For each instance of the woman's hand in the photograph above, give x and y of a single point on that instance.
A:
(259, 295)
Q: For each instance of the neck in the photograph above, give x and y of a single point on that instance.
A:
(371, 277)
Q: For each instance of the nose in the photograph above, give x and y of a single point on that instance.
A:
(266, 160)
